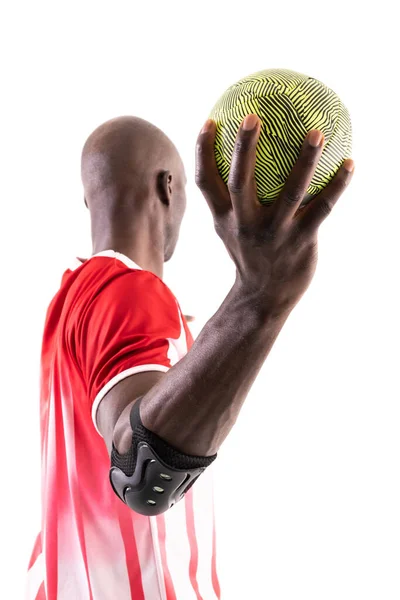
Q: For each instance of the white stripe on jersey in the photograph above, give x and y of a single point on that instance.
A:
(178, 556)
(107, 576)
(203, 504)
(34, 579)
(110, 384)
(71, 572)
(157, 559)
(71, 569)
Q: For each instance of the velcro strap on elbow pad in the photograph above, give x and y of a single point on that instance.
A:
(153, 476)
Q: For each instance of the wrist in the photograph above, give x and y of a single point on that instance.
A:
(265, 307)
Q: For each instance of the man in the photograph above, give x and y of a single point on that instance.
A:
(116, 368)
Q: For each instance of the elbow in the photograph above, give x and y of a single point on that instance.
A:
(149, 495)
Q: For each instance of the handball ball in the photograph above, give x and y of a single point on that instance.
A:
(289, 105)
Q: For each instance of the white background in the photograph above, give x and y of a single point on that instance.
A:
(308, 496)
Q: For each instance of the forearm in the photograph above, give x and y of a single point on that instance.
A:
(197, 402)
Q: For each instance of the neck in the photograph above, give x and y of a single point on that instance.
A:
(142, 244)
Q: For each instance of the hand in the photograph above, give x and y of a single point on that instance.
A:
(189, 318)
(274, 247)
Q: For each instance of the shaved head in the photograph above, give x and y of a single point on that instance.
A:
(125, 152)
(134, 184)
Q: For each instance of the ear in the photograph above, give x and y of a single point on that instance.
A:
(164, 186)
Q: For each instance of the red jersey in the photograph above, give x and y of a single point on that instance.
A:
(109, 320)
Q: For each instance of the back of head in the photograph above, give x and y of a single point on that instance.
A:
(134, 182)
(122, 154)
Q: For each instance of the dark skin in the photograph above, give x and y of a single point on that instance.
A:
(134, 182)
(196, 403)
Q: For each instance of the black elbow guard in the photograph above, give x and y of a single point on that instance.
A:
(153, 476)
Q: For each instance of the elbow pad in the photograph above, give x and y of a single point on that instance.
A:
(153, 476)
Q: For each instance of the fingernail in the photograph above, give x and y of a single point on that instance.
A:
(348, 165)
(207, 126)
(315, 138)
(250, 122)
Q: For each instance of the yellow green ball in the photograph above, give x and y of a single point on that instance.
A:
(289, 105)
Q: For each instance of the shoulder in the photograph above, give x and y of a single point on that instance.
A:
(106, 286)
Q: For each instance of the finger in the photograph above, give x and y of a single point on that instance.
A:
(320, 207)
(208, 178)
(241, 183)
(299, 177)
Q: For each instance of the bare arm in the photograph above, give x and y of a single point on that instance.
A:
(195, 405)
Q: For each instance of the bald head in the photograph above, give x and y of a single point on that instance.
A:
(123, 153)
(134, 183)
